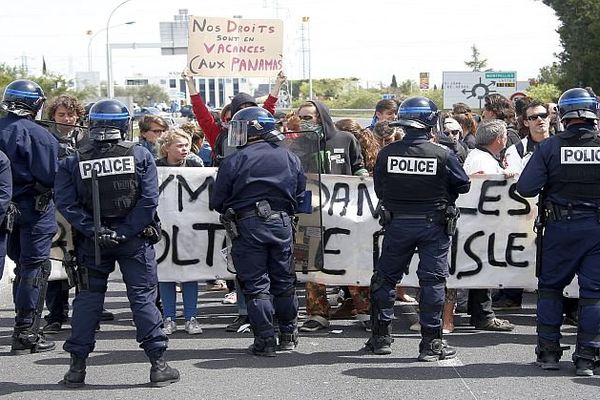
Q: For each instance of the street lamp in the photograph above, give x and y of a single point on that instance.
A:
(306, 20)
(96, 34)
(109, 83)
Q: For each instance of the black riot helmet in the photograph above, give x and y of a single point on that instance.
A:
(417, 112)
(252, 123)
(23, 97)
(108, 120)
(577, 103)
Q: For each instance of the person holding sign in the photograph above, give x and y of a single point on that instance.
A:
(119, 226)
(417, 182)
(565, 172)
(206, 120)
(258, 189)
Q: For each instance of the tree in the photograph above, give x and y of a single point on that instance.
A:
(408, 87)
(394, 84)
(544, 92)
(476, 63)
(146, 94)
(550, 74)
(580, 39)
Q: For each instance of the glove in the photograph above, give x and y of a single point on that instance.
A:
(107, 238)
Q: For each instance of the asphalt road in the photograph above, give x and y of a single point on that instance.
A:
(327, 365)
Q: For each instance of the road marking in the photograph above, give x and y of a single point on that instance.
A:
(455, 362)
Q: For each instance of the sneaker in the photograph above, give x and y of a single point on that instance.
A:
(52, 327)
(237, 323)
(344, 311)
(216, 286)
(584, 367)
(230, 298)
(314, 323)
(495, 324)
(504, 304)
(169, 326)
(192, 326)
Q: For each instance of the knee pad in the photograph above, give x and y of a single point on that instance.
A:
(589, 322)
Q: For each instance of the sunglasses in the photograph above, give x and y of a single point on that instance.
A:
(158, 131)
(536, 116)
(453, 132)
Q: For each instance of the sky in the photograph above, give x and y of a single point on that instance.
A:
(370, 40)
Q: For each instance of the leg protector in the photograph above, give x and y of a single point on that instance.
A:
(548, 354)
(75, 376)
(433, 347)
(549, 314)
(586, 359)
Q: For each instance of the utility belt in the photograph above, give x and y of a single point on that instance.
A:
(448, 217)
(555, 212)
(262, 209)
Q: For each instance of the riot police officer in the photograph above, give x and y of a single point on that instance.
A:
(258, 189)
(33, 154)
(125, 174)
(565, 171)
(416, 181)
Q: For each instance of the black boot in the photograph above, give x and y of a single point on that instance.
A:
(288, 341)
(381, 340)
(26, 341)
(548, 354)
(434, 348)
(586, 359)
(161, 374)
(264, 347)
(75, 376)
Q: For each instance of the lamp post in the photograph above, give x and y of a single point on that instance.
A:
(93, 35)
(306, 20)
(109, 82)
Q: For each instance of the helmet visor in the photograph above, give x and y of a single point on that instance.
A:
(238, 133)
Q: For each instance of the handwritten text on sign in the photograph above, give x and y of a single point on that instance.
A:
(221, 47)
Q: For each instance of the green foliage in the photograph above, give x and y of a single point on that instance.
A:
(394, 84)
(544, 92)
(52, 84)
(580, 39)
(476, 63)
(358, 98)
(550, 74)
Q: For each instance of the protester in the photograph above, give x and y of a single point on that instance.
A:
(128, 231)
(151, 129)
(486, 159)
(263, 183)
(499, 107)
(33, 154)
(174, 149)
(341, 155)
(565, 171)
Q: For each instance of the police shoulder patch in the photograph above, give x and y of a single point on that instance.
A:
(107, 166)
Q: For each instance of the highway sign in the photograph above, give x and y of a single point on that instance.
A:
(471, 87)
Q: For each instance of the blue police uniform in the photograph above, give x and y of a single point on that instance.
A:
(136, 257)
(572, 232)
(262, 254)
(415, 181)
(33, 154)
(125, 173)
(5, 197)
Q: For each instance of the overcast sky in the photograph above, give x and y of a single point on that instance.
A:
(370, 40)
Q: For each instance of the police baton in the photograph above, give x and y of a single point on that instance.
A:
(96, 210)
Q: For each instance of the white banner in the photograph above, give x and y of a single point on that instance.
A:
(494, 246)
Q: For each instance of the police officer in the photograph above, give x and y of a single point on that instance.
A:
(416, 180)
(262, 184)
(33, 155)
(127, 179)
(565, 170)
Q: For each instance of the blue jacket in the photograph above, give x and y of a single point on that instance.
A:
(259, 171)
(33, 154)
(5, 185)
(544, 167)
(69, 185)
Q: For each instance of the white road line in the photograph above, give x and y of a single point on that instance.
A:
(455, 362)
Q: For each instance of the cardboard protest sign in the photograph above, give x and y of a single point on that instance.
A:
(233, 47)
